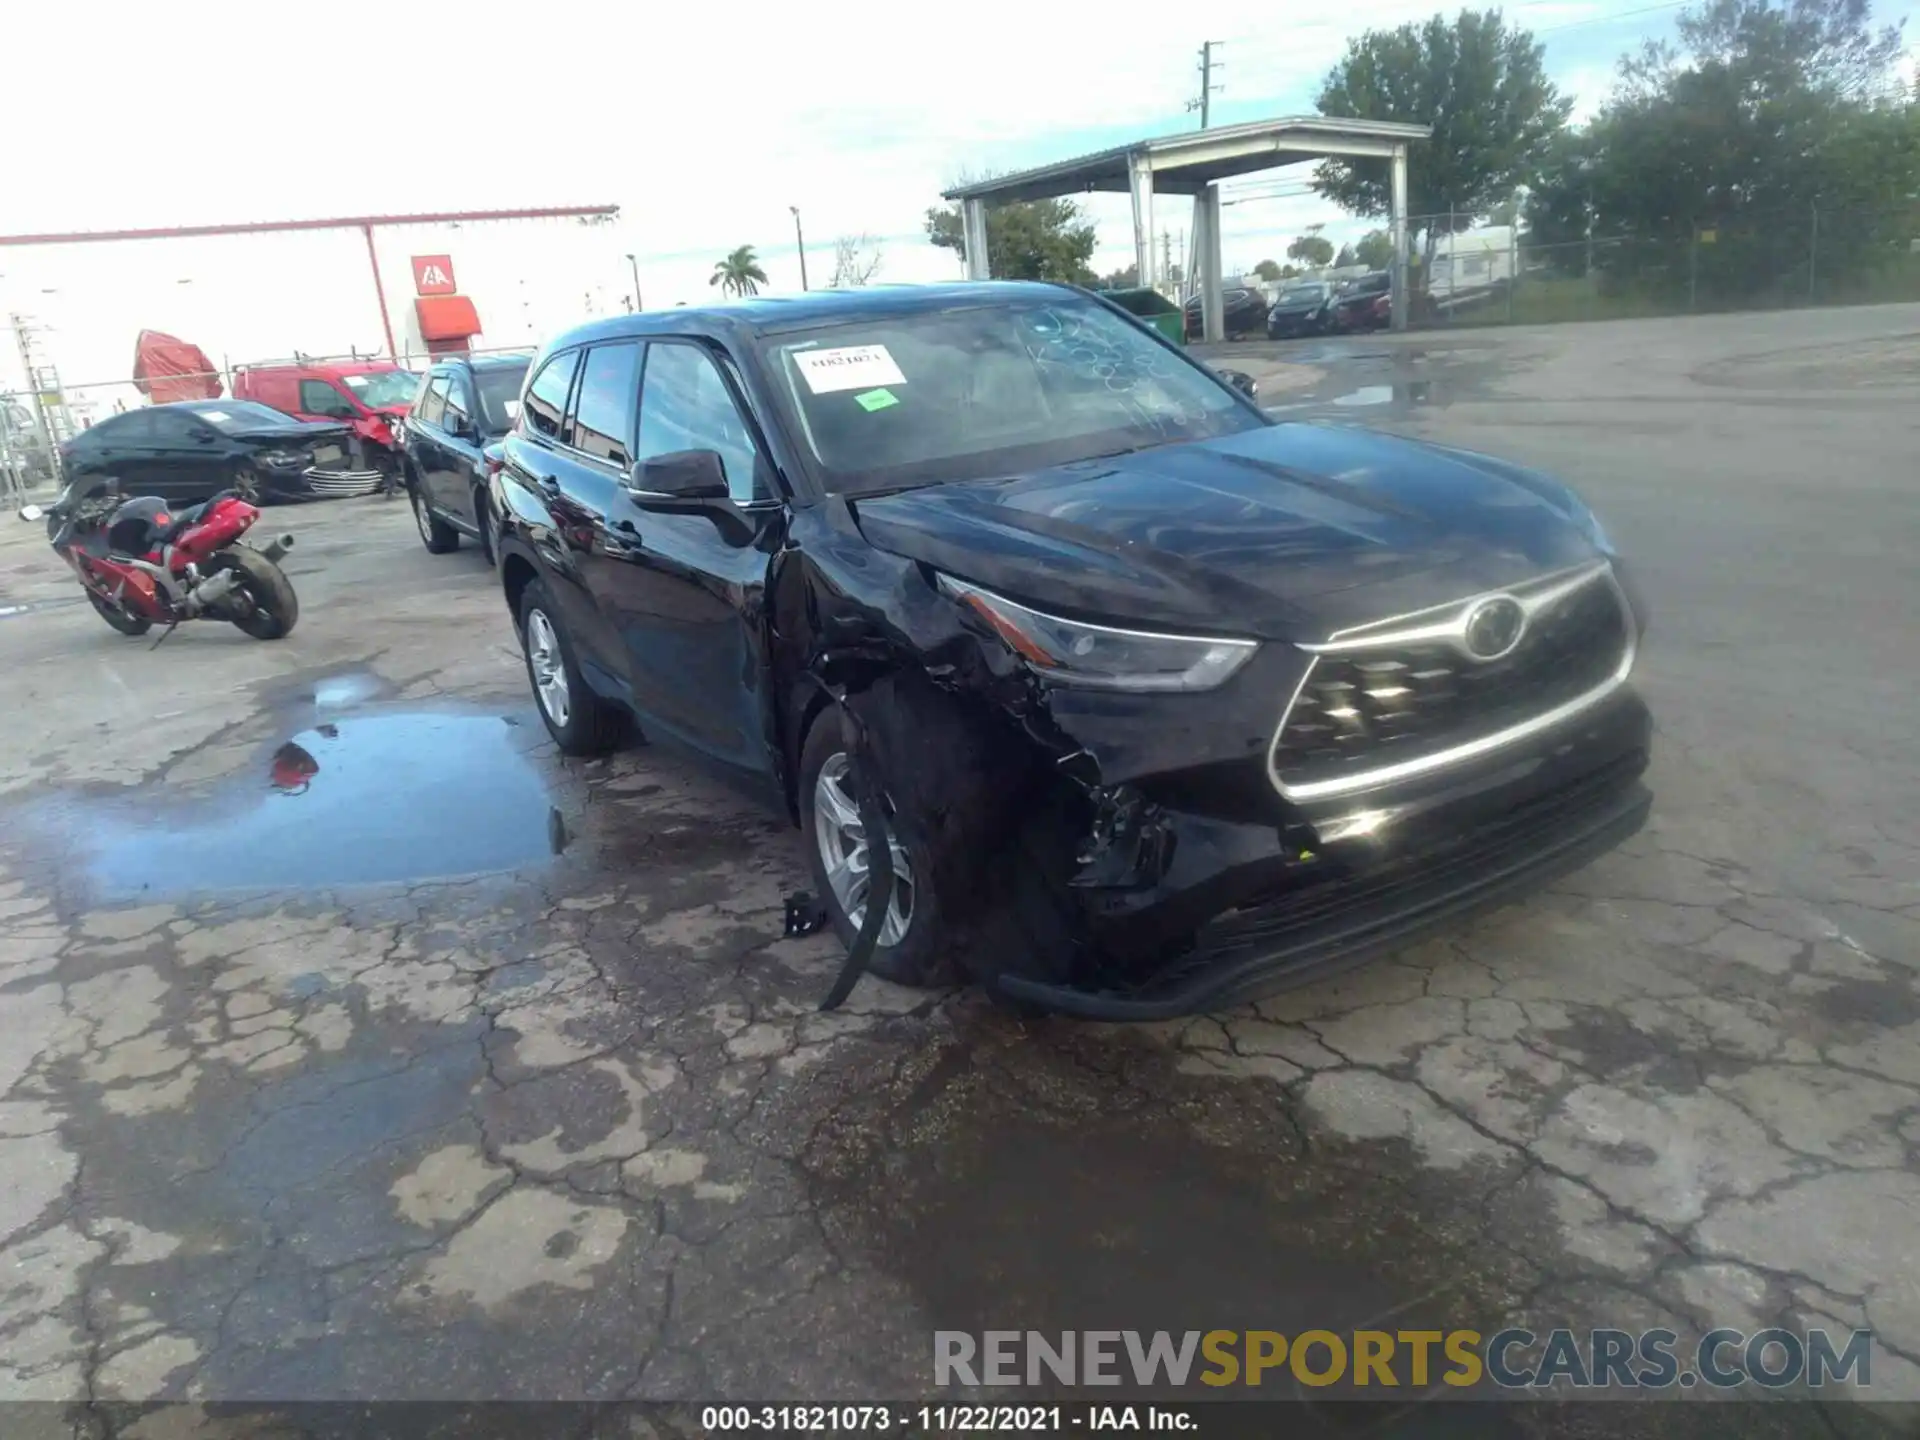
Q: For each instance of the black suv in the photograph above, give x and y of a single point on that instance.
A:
(463, 405)
(1156, 703)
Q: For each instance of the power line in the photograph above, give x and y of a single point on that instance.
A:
(1610, 19)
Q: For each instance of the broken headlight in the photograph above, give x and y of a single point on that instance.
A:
(1099, 657)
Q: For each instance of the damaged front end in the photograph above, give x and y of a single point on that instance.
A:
(1119, 849)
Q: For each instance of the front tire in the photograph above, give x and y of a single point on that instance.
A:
(580, 721)
(439, 537)
(911, 948)
(119, 619)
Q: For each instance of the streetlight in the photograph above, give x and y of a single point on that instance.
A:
(801, 241)
(636, 281)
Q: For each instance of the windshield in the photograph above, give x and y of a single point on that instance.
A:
(379, 388)
(235, 416)
(499, 396)
(1298, 294)
(989, 390)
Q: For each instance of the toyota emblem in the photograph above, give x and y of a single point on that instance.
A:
(1494, 627)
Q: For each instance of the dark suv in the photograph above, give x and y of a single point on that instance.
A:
(1157, 704)
(463, 405)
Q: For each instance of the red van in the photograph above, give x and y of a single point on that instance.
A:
(371, 396)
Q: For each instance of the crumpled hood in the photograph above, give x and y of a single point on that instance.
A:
(1286, 532)
(294, 432)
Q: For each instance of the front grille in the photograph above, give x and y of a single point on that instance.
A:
(344, 482)
(1383, 704)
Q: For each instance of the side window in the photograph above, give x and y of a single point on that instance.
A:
(686, 405)
(171, 428)
(317, 397)
(431, 407)
(546, 400)
(459, 401)
(602, 423)
(129, 429)
(420, 393)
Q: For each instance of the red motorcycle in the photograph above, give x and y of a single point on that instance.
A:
(144, 562)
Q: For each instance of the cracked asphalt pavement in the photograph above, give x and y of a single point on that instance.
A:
(460, 1071)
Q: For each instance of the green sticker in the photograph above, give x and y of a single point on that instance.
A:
(871, 400)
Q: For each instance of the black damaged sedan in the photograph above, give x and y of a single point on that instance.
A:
(1156, 704)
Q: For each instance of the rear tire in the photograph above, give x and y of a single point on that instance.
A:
(580, 721)
(271, 607)
(119, 619)
(439, 537)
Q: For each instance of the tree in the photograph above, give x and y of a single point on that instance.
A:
(1312, 248)
(1483, 88)
(1345, 259)
(1267, 271)
(1026, 240)
(739, 273)
(1126, 279)
(1764, 113)
(1374, 250)
(856, 260)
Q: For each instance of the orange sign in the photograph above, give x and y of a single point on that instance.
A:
(433, 275)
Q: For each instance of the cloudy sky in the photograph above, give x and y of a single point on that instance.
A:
(702, 123)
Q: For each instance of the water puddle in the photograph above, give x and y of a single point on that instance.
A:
(1400, 392)
(368, 799)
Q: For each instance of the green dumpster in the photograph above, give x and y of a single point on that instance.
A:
(1153, 310)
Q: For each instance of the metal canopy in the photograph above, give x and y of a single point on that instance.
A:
(1191, 164)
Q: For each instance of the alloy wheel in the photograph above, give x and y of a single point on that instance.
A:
(420, 519)
(549, 668)
(842, 838)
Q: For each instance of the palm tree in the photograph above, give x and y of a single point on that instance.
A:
(739, 273)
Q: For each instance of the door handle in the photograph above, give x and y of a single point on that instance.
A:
(547, 485)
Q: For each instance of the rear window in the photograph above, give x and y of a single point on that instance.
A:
(235, 416)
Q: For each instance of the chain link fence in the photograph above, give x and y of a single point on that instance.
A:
(1501, 275)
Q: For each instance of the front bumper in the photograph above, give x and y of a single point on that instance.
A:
(1267, 911)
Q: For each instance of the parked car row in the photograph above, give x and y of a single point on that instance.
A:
(1316, 307)
(1302, 307)
(992, 582)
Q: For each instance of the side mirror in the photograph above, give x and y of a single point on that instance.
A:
(205, 437)
(1243, 382)
(684, 478)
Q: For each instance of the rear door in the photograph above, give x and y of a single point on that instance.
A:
(685, 589)
(458, 433)
(429, 447)
(552, 490)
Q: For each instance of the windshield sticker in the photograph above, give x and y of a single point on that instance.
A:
(851, 367)
(876, 400)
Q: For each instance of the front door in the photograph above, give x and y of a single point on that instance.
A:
(184, 462)
(686, 589)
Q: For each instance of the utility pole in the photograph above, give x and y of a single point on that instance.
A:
(1813, 251)
(801, 242)
(635, 266)
(1207, 88)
